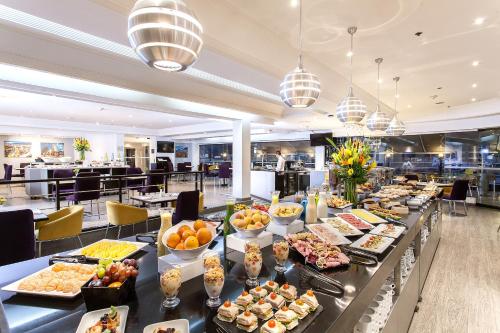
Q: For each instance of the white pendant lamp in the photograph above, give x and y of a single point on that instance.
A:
(351, 110)
(378, 120)
(300, 88)
(396, 126)
(165, 34)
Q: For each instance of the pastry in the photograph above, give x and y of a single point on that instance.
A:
(109, 322)
(228, 311)
(276, 300)
(310, 300)
(273, 326)
(288, 292)
(271, 286)
(246, 321)
(244, 300)
(258, 293)
(300, 308)
(287, 317)
(262, 309)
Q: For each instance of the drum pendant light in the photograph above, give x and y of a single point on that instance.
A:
(300, 88)
(378, 120)
(351, 110)
(396, 126)
(165, 34)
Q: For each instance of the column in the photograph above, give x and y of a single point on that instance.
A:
(195, 155)
(241, 159)
(152, 150)
(319, 158)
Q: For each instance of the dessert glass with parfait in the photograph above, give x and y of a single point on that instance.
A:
(213, 279)
(170, 282)
(253, 264)
(280, 250)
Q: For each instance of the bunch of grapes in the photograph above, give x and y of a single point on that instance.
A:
(113, 274)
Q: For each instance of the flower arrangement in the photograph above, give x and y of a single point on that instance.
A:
(81, 145)
(353, 162)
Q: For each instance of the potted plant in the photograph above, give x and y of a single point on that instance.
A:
(81, 145)
(352, 163)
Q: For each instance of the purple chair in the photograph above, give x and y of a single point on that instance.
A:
(224, 172)
(458, 194)
(7, 177)
(87, 189)
(64, 188)
(17, 240)
(133, 184)
(154, 179)
(186, 207)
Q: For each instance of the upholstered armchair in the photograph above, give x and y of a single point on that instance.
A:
(121, 214)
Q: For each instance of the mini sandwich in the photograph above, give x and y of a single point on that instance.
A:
(228, 311)
(262, 309)
(271, 286)
(310, 300)
(258, 293)
(287, 317)
(276, 300)
(273, 326)
(288, 292)
(246, 321)
(244, 300)
(300, 308)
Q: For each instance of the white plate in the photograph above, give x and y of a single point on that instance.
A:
(379, 230)
(335, 237)
(91, 318)
(180, 325)
(140, 245)
(386, 241)
(366, 225)
(14, 287)
(376, 219)
(352, 230)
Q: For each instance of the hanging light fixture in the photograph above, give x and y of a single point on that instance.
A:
(396, 126)
(378, 120)
(300, 88)
(351, 110)
(165, 34)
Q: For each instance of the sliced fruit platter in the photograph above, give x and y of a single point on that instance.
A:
(389, 230)
(317, 252)
(337, 202)
(110, 249)
(355, 221)
(373, 243)
(367, 216)
(62, 280)
(328, 233)
(112, 320)
(385, 213)
(342, 226)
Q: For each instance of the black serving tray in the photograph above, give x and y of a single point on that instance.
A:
(303, 323)
(103, 297)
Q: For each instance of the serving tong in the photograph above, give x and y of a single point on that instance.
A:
(359, 257)
(70, 259)
(308, 274)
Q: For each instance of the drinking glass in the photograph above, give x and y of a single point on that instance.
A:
(275, 197)
(280, 250)
(253, 265)
(170, 282)
(213, 279)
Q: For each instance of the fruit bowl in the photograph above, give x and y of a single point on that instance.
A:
(187, 254)
(252, 229)
(273, 210)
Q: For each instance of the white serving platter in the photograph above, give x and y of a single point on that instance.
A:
(386, 242)
(91, 318)
(379, 230)
(334, 237)
(367, 226)
(180, 325)
(352, 230)
(14, 287)
(139, 245)
(375, 219)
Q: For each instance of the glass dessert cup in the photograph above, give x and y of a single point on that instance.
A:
(280, 250)
(210, 259)
(253, 265)
(170, 282)
(213, 279)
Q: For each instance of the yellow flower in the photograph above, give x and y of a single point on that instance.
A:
(350, 172)
(348, 153)
(350, 161)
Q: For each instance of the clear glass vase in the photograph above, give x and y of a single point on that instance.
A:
(350, 191)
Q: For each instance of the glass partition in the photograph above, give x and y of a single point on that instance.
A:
(263, 154)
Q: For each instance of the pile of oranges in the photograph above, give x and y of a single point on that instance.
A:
(187, 238)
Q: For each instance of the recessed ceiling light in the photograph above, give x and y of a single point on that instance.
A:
(97, 123)
(474, 85)
(170, 120)
(473, 99)
(349, 54)
(475, 63)
(380, 80)
(294, 3)
(409, 106)
(397, 96)
(479, 20)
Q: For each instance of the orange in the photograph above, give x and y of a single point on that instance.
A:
(188, 233)
(204, 236)
(173, 239)
(180, 246)
(191, 243)
(198, 224)
(182, 229)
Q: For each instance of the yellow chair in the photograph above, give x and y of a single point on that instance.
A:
(64, 223)
(120, 214)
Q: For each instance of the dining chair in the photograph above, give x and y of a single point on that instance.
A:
(186, 206)
(65, 223)
(458, 194)
(133, 184)
(87, 188)
(65, 188)
(17, 241)
(121, 214)
(7, 177)
(153, 179)
(224, 172)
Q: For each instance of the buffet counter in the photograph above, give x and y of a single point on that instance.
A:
(340, 314)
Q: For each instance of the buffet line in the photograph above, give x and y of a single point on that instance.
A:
(261, 269)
